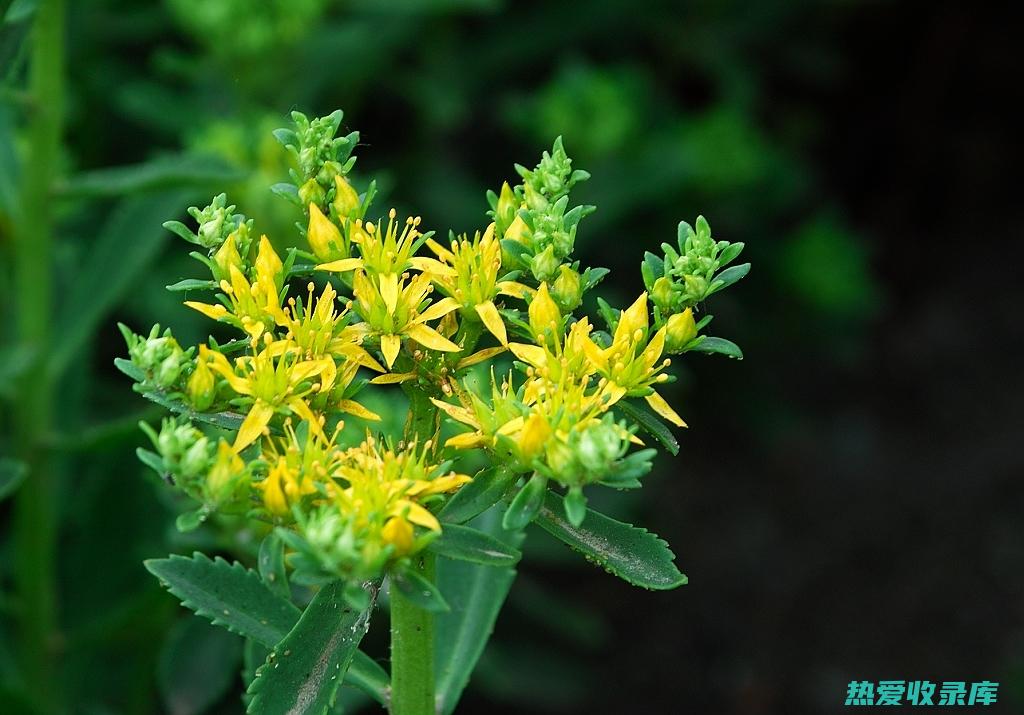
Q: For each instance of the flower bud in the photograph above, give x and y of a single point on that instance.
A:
(679, 331)
(599, 446)
(323, 236)
(517, 230)
(696, 286)
(561, 461)
(567, 289)
(167, 372)
(311, 193)
(662, 294)
(226, 477)
(196, 459)
(544, 265)
(506, 207)
(202, 386)
(328, 172)
(544, 313)
(225, 257)
(346, 200)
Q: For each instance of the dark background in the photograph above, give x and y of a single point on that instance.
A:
(848, 502)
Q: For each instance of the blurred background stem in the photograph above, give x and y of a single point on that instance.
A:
(35, 510)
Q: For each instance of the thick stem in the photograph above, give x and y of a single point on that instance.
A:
(412, 650)
(412, 628)
(35, 519)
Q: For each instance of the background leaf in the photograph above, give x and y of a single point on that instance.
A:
(629, 552)
(197, 667)
(12, 474)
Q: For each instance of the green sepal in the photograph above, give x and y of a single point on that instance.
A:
(629, 552)
(192, 284)
(575, 505)
(419, 590)
(526, 504)
(192, 520)
(487, 488)
(465, 544)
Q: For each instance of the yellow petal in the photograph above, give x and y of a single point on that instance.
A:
(479, 356)
(513, 289)
(432, 266)
(300, 408)
(421, 517)
(268, 263)
(529, 353)
(354, 408)
(438, 310)
(430, 338)
(490, 316)
(322, 235)
(653, 350)
(632, 319)
(468, 440)
(389, 291)
(340, 266)
(393, 378)
(390, 345)
(440, 251)
(658, 404)
(210, 311)
(253, 424)
(460, 414)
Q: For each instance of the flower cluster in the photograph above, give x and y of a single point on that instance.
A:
(382, 302)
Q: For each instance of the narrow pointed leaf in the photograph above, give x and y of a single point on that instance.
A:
(476, 594)
(465, 544)
(487, 489)
(271, 565)
(419, 590)
(721, 346)
(526, 504)
(629, 552)
(303, 672)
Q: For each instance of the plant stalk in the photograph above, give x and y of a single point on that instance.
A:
(35, 513)
(412, 628)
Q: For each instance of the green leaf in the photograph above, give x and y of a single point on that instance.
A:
(304, 671)
(367, 674)
(12, 474)
(629, 552)
(164, 173)
(271, 565)
(650, 424)
(487, 489)
(419, 590)
(466, 544)
(197, 666)
(526, 504)
(127, 244)
(230, 595)
(718, 345)
(476, 594)
(729, 276)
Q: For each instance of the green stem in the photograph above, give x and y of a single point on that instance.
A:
(412, 628)
(35, 517)
(412, 650)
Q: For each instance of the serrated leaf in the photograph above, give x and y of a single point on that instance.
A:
(476, 595)
(720, 346)
(12, 474)
(650, 424)
(304, 671)
(197, 666)
(230, 595)
(465, 544)
(629, 552)
(487, 489)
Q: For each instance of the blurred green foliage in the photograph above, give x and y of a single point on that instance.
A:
(170, 103)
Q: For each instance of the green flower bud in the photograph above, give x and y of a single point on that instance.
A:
(696, 286)
(561, 461)
(202, 386)
(197, 459)
(544, 265)
(567, 289)
(170, 367)
(312, 193)
(662, 294)
(599, 446)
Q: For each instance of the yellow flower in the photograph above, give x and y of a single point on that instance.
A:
(392, 309)
(273, 380)
(473, 278)
(283, 487)
(390, 486)
(386, 253)
(254, 307)
(631, 363)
